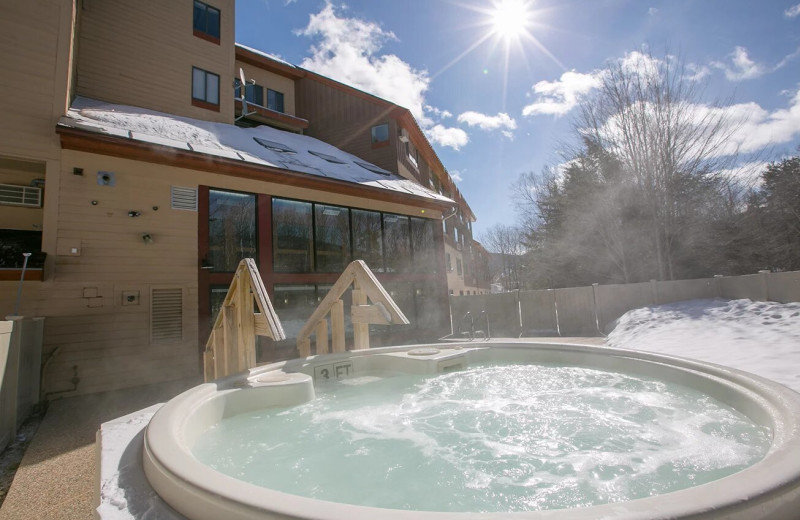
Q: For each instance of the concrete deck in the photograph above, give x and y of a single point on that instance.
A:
(56, 479)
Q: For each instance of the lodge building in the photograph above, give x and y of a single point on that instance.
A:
(139, 169)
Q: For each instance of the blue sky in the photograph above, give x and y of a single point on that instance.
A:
(495, 107)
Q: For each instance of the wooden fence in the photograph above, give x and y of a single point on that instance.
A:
(589, 311)
(20, 365)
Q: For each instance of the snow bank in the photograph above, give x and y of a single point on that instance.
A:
(758, 337)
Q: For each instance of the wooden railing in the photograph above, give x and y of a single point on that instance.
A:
(231, 348)
(382, 311)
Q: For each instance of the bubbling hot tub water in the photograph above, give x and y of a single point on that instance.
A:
(523, 431)
(489, 439)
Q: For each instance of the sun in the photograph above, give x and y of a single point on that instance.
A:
(510, 18)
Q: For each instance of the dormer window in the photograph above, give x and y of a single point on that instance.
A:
(206, 22)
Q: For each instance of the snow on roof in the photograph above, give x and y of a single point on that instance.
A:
(267, 55)
(261, 145)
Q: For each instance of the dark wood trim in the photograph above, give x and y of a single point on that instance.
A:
(286, 120)
(205, 104)
(90, 142)
(205, 36)
(203, 278)
(13, 275)
(381, 144)
(264, 230)
(268, 64)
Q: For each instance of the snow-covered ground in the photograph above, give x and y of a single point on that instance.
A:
(758, 337)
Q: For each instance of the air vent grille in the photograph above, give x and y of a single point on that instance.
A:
(184, 198)
(13, 195)
(166, 315)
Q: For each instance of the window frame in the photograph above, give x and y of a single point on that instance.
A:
(278, 95)
(203, 102)
(204, 33)
(377, 143)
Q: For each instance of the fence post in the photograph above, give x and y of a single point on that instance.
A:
(653, 292)
(765, 283)
(718, 284)
(594, 304)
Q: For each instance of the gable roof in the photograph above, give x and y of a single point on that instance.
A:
(260, 146)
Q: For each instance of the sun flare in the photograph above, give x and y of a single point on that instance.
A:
(510, 18)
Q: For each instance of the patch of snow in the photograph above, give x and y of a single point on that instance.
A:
(125, 492)
(758, 337)
(236, 143)
(267, 55)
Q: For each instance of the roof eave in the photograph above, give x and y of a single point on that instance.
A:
(92, 142)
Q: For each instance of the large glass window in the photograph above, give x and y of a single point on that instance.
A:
(423, 246)
(331, 238)
(206, 21)
(292, 236)
(294, 304)
(397, 243)
(253, 94)
(231, 229)
(205, 86)
(367, 238)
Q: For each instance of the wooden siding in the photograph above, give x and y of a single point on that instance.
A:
(345, 121)
(82, 296)
(35, 56)
(270, 80)
(142, 53)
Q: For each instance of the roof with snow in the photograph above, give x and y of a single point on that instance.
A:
(263, 145)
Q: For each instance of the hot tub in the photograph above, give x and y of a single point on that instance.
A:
(768, 488)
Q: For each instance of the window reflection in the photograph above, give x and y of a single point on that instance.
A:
(397, 243)
(292, 236)
(367, 238)
(231, 229)
(332, 238)
(424, 246)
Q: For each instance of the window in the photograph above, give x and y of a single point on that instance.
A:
(329, 158)
(458, 266)
(205, 88)
(380, 133)
(372, 168)
(231, 229)
(274, 146)
(331, 238)
(397, 243)
(253, 94)
(206, 22)
(367, 238)
(292, 236)
(423, 246)
(274, 100)
(449, 263)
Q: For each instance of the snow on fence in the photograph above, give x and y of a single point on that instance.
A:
(20, 366)
(589, 311)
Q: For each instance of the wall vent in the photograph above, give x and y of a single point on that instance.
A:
(13, 195)
(166, 315)
(184, 198)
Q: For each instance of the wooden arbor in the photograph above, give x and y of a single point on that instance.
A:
(231, 348)
(382, 311)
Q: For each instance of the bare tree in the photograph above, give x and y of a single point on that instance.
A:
(508, 243)
(652, 119)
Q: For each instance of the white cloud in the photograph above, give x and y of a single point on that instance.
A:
(742, 66)
(696, 72)
(441, 114)
(560, 96)
(455, 175)
(792, 11)
(762, 128)
(652, 11)
(501, 121)
(747, 174)
(455, 138)
(348, 50)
